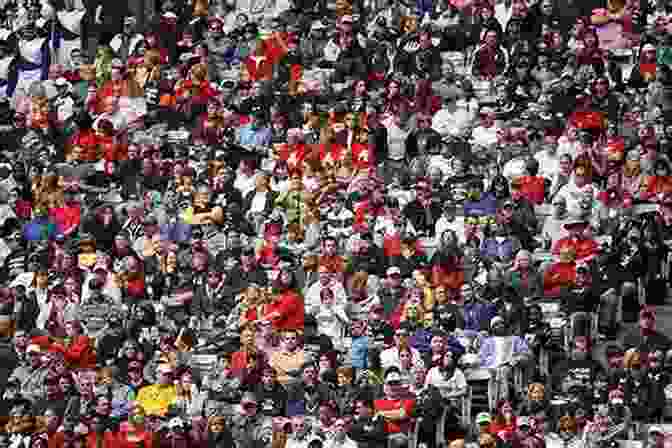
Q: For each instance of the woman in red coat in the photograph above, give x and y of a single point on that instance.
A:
(286, 309)
(504, 420)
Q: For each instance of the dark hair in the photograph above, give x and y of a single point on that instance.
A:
(391, 370)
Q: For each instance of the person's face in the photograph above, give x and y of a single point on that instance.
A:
(121, 243)
(165, 376)
(362, 409)
(656, 439)
(111, 104)
(499, 329)
(299, 425)
(601, 88)
(394, 89)
(647, 322)
(506, 408)
(200, 262)
(268, 379)
(65, 385)
(394, 280)
(405, 359)
(589, 40)
(425, 39)
(491, 38)
(360, 88)
(448, 361)
(103, 407)
(436, 176)
(523, 261)
(330, 248)
(247, 337)
(214, 278)
(486, 13)
(42, 280)
(580, 348)
(116, 74)
(71, 329)
(290, 341)
(310, 374)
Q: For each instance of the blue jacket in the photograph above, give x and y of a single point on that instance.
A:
(477, 315)
(360, 352)
(41, 228)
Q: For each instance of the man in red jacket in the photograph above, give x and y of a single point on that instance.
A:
(396, 411)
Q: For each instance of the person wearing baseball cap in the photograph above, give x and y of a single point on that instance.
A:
(483, 420)
(396, 411)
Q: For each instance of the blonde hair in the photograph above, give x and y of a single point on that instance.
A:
(567, 422)
(360, 280)
(486, 440)
(534, 387)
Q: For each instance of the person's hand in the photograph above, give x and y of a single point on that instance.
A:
(411, 47)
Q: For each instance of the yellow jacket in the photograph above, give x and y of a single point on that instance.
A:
(156, 399)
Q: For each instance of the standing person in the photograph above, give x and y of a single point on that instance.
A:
(71, 28)
(108, 20)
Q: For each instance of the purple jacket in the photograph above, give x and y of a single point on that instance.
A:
(489, 357)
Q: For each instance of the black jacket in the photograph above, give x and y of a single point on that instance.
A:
(415, 213)
(369, 433)
(272, 403)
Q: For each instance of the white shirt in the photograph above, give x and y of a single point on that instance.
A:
(457, 225)
(396, 142)
(258, 203)
(443, 121)
(403, 196)
(567, 147)
(503, 350)
(554, 228)
(313, 294)
(280, 186)
(331, 51)
(447, 386)
(549, 164)
(332, 321)
(244, 183)
(514, 168)
(575, 195)
(64, 108)
(442, 163)
(345, 443)
(482, 136)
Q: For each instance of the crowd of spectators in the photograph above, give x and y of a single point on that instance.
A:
(349, 224)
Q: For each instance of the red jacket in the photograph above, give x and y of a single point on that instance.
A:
(392, 405)
(558, 276)
(585, 248)
(110, 440)
(533, 188)
(79, 354)
(290, 306)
